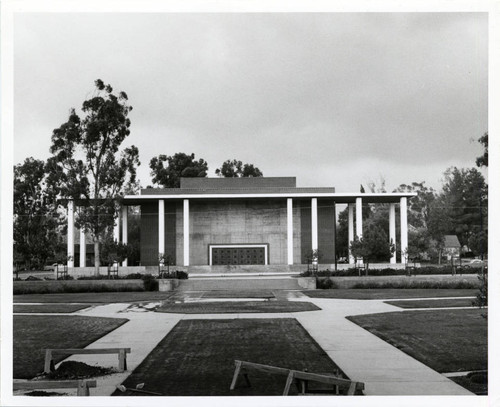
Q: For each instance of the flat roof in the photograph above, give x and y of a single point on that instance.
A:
(297, 193)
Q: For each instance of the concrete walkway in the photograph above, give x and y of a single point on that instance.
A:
(384, 369)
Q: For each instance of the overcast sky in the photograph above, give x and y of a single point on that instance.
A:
(335, 99)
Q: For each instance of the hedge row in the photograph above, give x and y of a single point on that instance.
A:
(426, 270)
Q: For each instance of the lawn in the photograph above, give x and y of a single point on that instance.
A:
(95, 298)
(237, 307)
(445, 340)
(388, 293)
(443, 303)
(197, 357)
(48, 308)
(34, 333)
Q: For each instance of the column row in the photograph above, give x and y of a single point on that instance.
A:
(83, 242)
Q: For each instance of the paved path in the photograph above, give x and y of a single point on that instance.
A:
(384, 369)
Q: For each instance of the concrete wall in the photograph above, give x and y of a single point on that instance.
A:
(242, 221)
(238, 222)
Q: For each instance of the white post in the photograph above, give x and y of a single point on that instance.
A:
(186, 232)
(116, 229)
(314, 223)
(392, 229)
(350, 231)
(359, 221)
(71, 231)
(161, 226)
(125, 230)
(359, 217)
(289, 229)
(83, 251)
(404, 229)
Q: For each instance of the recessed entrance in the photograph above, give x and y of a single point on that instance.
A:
(222, 255)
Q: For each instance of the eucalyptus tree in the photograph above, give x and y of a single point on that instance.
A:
(88, 164)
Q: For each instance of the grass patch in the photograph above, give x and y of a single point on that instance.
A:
(445, 340)
(444, 303)
(94, 298)
(197, 357)
(386, 293)
(475, 382)
(229, 307)
(48, 308)
(34, 333)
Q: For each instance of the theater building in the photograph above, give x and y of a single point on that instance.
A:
(244, 221)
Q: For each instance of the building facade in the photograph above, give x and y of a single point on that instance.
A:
(246, 221)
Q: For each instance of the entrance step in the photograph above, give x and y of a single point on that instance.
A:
(251, 269)
(244, 283)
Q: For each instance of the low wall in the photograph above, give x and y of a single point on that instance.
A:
(59, 286)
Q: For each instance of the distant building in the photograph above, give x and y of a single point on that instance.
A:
(245, 221)
(451, 247)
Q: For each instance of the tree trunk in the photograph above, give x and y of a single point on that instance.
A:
(97, 261)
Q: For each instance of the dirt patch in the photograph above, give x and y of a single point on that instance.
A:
(71, 370)
(41, 393)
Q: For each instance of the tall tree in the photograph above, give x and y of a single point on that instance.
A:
(420, 205)
(87, 164)
(36, 219)
(461, 207)
(168, 170)
(236, 169)
(482, 161)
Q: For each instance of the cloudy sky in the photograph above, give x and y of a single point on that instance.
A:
(335, 99)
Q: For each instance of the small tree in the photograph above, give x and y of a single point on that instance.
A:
(373, 245)
(313, 257)
(164, 260)
(113, 252)
(481, 300)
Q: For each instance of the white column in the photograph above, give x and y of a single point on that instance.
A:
(71, 231)
(83, 247)
(116, 228)
(186, 232)
(404, 228)
(350, 231)
(125, 230)
(392, 229)
(359, 221)
(161, 226)
(314, 223)
(289, 229)
(359, 217)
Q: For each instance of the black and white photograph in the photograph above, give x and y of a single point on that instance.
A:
(272, 205)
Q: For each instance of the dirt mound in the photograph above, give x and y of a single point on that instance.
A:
(78, 370)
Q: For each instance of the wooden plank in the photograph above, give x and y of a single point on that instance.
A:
(323, 378)
(288, 383)
(265, 368)
(236, 373)
(352, 389)
(52, 384)
(48, 367)
(89, 351)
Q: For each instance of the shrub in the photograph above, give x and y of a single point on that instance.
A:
(417, 284)
(325, 284)
(177, 274)
(150, 283)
